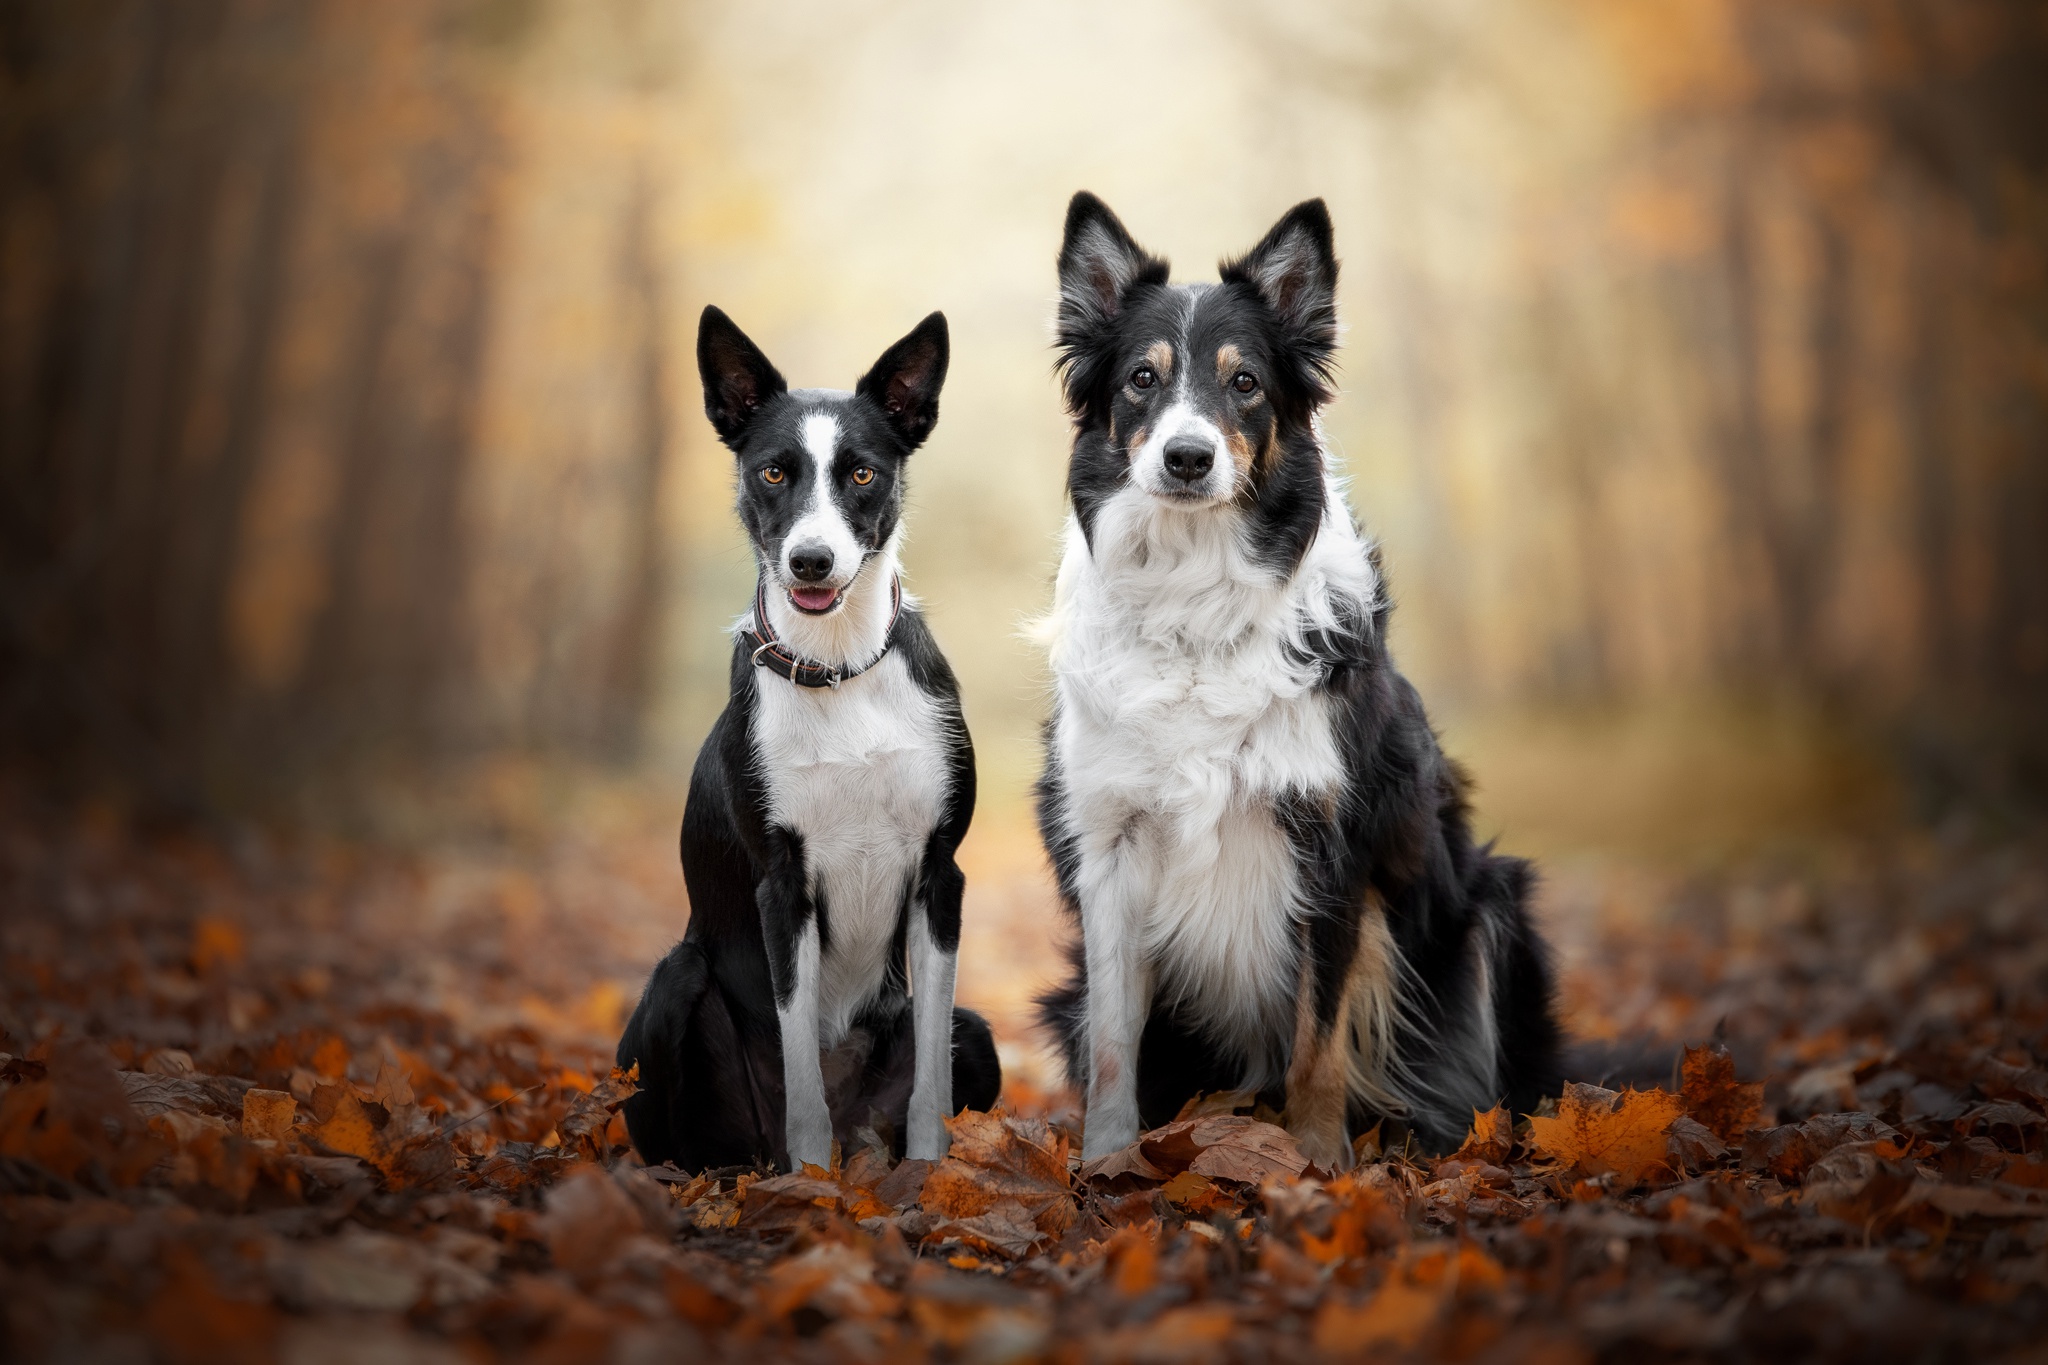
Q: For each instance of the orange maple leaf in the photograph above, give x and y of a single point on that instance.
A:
(1598, 1131)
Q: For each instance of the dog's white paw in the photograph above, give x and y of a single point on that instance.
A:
(1326, 1148)
(1106, 1131)
(810, 1140)
(927, 1139)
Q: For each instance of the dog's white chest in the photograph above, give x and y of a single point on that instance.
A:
(860, 774)
(1186, 718)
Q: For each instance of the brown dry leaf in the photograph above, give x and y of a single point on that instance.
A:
(831, 1278)
(1224, 1147)
(1217, 1102)
(1491, 1139)
(1600, 1131)
(586, 1127)
(1364, 1216)
(1005, 1229)
(701, 1291)
(1398, 1316)
(1196, 1194)
(1194, 1333)
(348, 1129)
(1714, 1097)
(901, 1187)
(587, 1220)
(1125, 1161)
(996, 1159)
(1134, 1260)
(268, 1114)
(788, 1200)
(1693, 1145)
(1788, 1150)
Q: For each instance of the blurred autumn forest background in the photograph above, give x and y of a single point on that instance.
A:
(1695, 377)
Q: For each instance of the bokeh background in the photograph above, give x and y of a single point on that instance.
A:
(353, 471)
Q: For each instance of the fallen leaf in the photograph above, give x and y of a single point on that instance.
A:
(1600, 1131)
(1004, 1229)
(1692, 1144)
(1196, 1194)
(1714, 1097)
(1491, 1139)
(1224, 1147)
(784, 1201)
(1788, 1150)
(586, 1220)
(901, 1187)
(1398, 1315)
(996, 1159)
(268, 1114)
(1133, 1258)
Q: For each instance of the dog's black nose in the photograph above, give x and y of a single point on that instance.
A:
(1189, 460)
(810, 561)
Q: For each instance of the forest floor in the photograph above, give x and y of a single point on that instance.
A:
(317, 1101)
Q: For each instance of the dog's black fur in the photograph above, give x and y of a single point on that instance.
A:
(1398, 833)
(706, 1034)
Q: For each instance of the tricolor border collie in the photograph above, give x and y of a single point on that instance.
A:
(1267, 854)
(825, 807)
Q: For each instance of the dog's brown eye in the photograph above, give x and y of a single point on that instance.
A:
(1244, 383)
(1143, 378)
(863, 476)
(772, 474)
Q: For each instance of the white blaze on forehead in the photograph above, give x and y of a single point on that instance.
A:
(822, 521)
(821, 437)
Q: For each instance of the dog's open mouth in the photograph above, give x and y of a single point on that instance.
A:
(815, 601)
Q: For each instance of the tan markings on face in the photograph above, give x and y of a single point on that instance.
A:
(1229, 360)
(1269, 441)
(1241, 454)
(1159, 355)
(1137, 440)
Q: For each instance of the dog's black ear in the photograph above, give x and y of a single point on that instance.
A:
(737, 378)
(1100, 264)
(1294, 269)
(905, 382)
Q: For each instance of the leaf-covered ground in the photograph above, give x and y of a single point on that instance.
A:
(317, 1102)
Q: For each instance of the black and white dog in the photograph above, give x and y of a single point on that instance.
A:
(1268, 855)
(826, 804)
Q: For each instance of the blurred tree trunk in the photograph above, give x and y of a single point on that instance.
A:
(250, 256)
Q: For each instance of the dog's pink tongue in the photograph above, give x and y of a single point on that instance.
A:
(813, 599)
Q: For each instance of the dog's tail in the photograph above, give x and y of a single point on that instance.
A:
(1063, 1014)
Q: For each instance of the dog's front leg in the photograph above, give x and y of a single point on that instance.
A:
(789, 924)
(934, 954)
(1119, 998)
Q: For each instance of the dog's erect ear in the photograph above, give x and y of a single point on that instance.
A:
(1099, 262)
(1295, 271)
(905, 382)
(1100, 265)
(737, 378)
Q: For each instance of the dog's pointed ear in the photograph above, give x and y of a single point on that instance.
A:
(737, 378)
(905, 382)
(1294, 269)
(1100, 264)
